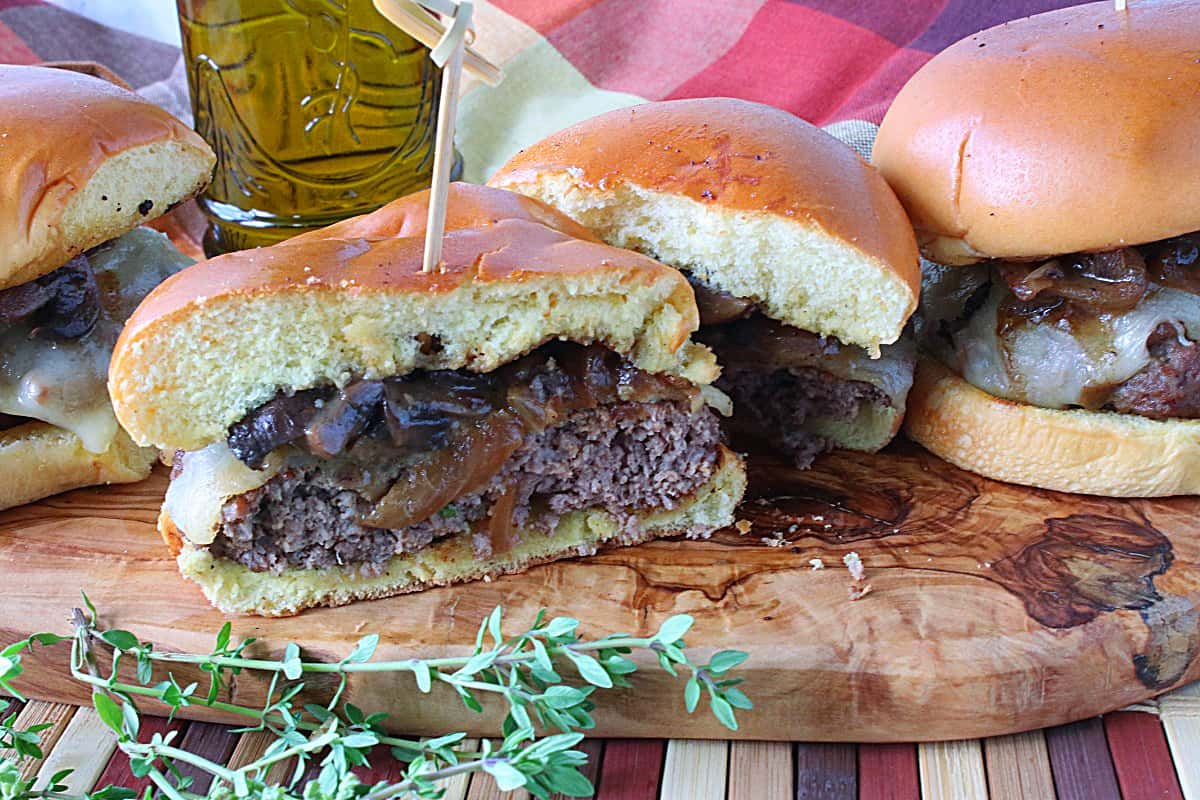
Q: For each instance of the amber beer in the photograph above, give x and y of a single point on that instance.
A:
(317, 110)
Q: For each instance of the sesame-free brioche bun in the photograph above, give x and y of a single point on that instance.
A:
(81, 162)
(1074, 130)
(235, 589)
(1087, 452)
(39, 460)
(225, 335)
(752, 200)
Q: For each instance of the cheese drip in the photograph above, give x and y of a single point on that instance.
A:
(63, 382)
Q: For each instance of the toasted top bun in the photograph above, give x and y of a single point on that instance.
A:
(223, 336)
(1075, 130)
(81, 162)
(753, 200)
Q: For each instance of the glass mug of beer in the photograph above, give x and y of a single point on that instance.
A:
(317, 109)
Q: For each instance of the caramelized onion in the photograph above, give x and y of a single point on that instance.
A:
(444, 475)
(1176, 263)
(716, 306)
(422, 411)
(1111, 281)
(500, 520)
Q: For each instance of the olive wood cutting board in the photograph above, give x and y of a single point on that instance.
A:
(993, 608)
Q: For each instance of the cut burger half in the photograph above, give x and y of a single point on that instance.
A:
(1050, 166)
(83, 163)
(349, 427)
(803, 262)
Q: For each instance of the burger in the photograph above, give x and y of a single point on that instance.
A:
(803, 263)
(347, 426)
(1050, 167)
(83, 163)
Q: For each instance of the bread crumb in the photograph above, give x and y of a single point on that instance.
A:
(816, 563)
(774, 540)
(858, 592)
(743, 526)
(859, 588)
(487, 578)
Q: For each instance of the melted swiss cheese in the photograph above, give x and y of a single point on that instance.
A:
(63, 383)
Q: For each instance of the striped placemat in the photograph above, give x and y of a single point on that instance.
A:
(1152, 752)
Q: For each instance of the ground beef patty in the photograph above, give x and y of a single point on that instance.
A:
(1169, 386)
(777, 403)
(623, 457)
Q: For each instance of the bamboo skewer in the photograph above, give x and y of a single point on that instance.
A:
(448, 52)
(443, 152)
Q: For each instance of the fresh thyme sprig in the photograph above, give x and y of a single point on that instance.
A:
(523, 671)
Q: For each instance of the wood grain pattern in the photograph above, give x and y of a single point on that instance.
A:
(1083, 768)
(1018, 767)
(695, 770)
(37, 713)
(1180, 713)
(631, 770)
(251, 746)
(483, 787)
(1141, 757)
(85, 747)
(760, 771)
(888, 772)
(952, 770)
(994, 608)
(826, 771)
(214, 742)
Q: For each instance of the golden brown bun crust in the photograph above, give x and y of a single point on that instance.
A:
(517, 236)
(39, 460)
(472, 207)
(58, 131)
(1069, 131)
(736, 155)
(1087, 452)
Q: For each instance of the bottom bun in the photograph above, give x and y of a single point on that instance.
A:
(39, 460)
(235, 589)
(1087, 452)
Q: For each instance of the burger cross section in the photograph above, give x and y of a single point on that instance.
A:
(686, 357)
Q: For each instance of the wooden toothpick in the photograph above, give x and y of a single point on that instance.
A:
(443, 148)
(448, 52)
